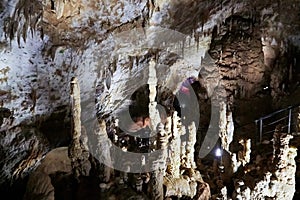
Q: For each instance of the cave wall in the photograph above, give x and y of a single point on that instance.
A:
(237, 47)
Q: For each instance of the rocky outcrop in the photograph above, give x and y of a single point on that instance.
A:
(21, 152)
(234, 50)
(40, 185)
(278, 183)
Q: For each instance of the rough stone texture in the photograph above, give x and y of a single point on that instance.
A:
(17, 166)
(103, 148)
(226, 126)
(39, 185)
(43, 44)
(173, 166)
(157, 177)
(78, 149)
(280, 182)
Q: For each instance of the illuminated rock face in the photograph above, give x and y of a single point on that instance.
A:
(279, 184)
(234, 49)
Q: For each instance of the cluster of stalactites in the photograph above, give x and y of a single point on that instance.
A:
(27, 16)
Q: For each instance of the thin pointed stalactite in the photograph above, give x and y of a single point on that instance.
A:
(27, 16)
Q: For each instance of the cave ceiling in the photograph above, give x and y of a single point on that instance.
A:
(243, 57)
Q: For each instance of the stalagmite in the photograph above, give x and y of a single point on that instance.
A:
(78, 153)
(223, 193)
(203, 192)
(103, 150)
(110, 44)
(183, 142)
(156, 125)
(174, 156)
(241, 191)
(182, 178)
(244, 155)
(152, 81)
(156, 181)
(190, 146)
(280, 184)
(226, 126)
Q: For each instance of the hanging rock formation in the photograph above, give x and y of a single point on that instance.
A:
(131, 58)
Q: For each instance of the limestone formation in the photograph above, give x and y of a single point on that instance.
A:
(278, 184)
(130, 59)
(40, 185)
(78, 150)
(173, 167)
(226, 126)
(152, 82)
(103, 148)
(156, 179)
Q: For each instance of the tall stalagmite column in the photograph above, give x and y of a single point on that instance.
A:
(174, 155)
(157, 177)
(190, 146)
(78, 152)
(152, 81)
(156, 126)
(226, 126)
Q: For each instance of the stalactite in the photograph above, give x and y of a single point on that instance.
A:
(27, 15)
(221, 56)
(151, 7)
(196, 38)
(291, 73)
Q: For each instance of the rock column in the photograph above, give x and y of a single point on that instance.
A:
(78, 152)
(157, 177)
